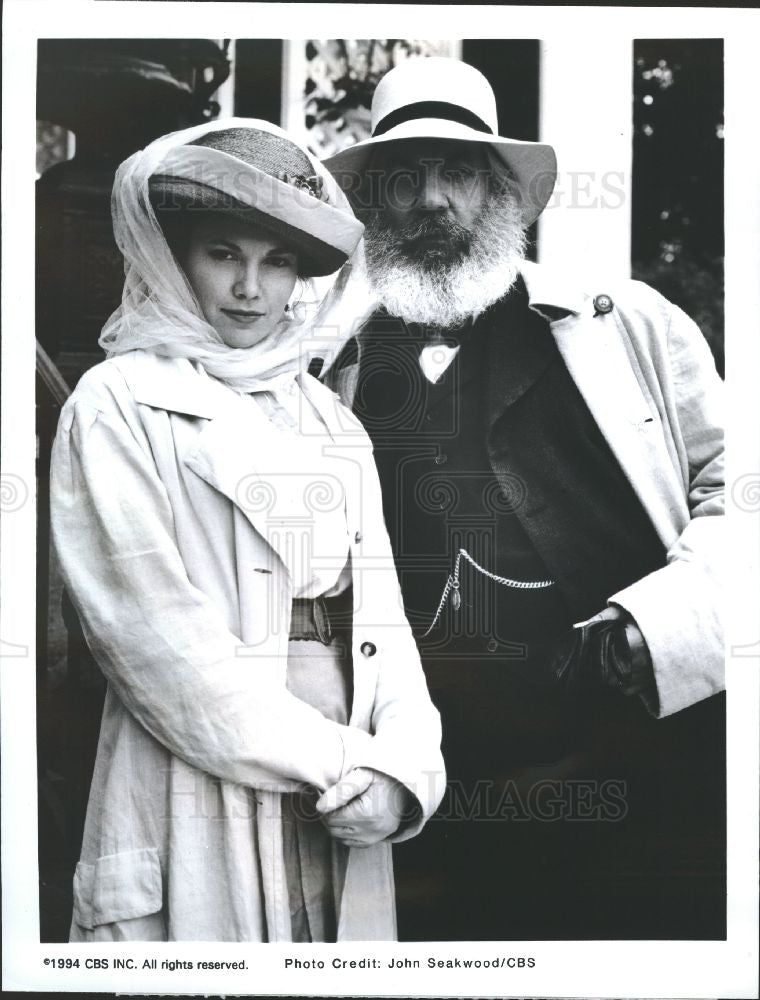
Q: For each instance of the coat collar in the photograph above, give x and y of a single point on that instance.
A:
(179, 386)
(238, 450)
(546, 287)
(519, 348)
(173, 384)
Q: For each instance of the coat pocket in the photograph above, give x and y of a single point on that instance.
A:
(117, 887)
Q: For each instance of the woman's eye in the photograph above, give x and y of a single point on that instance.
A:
(220, 254)
(281, 262)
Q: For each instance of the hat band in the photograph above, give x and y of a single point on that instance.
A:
(431, 109)
(255, 188)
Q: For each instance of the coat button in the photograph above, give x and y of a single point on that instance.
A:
(357, 537)
(441, 459)
(602, 304)
(368, 648)
(492, 645)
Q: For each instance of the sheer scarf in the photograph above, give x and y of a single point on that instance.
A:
(159, 311)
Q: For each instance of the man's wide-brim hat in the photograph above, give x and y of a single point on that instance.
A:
(265, 180)
(440, 98)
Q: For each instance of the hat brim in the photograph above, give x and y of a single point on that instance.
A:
(316, 257)
(534, 164)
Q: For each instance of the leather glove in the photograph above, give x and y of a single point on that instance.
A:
(598, 654)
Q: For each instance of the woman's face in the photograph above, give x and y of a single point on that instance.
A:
(241, 277)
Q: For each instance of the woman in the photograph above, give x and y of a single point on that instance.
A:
(267, 731)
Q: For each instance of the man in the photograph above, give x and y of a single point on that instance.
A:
(551, 463)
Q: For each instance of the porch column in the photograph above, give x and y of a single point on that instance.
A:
(586, 93)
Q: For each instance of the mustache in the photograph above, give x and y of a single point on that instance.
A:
(452, 232)
(444, 286)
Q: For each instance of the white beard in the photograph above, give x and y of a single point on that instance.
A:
(445, 289)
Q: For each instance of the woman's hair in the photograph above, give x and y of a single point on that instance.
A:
(177, 226)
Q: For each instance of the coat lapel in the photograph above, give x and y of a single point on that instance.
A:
(517, 353)
(174, 384)
(243, 455)
(237, 451)
(593, 348)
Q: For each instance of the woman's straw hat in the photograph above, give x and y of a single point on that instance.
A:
(442, 98)
(263, 179)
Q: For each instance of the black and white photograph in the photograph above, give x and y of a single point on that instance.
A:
(380, 610)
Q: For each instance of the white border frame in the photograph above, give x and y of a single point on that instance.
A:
(566, 969)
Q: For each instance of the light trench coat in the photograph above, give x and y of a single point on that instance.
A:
(649, 380)
(173, 501)
(647, 376)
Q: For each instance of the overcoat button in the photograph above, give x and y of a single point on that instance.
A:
(441, 459)
(602, 304)
(357, 537)
(492, 646)
(368, 648)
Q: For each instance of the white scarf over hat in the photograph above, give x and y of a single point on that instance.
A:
(159, 311)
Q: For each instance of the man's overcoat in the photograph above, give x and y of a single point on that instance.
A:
(648, 378)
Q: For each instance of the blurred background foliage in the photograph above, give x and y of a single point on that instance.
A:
(677, 211)
(341, 79)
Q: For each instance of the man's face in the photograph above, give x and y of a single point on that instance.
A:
(444, 236)
(434, 191)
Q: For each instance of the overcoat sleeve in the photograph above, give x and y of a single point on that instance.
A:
(679, 608)
(404, 723)
(408, 734)
(161, 643)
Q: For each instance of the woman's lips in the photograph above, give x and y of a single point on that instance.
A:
(242, 316)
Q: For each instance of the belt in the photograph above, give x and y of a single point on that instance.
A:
(321, 618)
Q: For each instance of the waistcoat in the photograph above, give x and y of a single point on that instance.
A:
(501, 457)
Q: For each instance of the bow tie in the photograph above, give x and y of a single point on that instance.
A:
(425, 336)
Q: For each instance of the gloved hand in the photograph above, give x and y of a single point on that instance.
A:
(606, 651)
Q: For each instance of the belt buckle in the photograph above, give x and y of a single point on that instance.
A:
(322, 621)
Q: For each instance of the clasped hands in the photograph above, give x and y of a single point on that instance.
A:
(364, 807)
